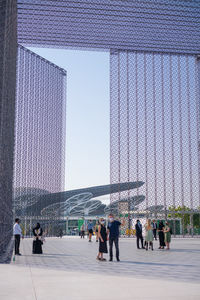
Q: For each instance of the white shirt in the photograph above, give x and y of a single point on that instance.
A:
(17, 229)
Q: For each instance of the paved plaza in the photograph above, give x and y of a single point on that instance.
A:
(68, 269)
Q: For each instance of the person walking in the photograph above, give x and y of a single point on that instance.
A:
(102, 235)
(17, 231)
(149, 235)
(155, 227)
(82, 231)
(90, 230)
(161, 235)
(37, 240)
(113, 232)
(167, 235)
(138, 228)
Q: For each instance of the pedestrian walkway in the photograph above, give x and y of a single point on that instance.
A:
(68, 269)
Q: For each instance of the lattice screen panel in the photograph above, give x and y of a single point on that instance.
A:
(160, 25)
(8, 51)
(39, 136)
(153, 110)
(155, 130)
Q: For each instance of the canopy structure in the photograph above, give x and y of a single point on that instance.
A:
(74, 202)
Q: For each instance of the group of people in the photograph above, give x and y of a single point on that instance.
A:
(37, 237)
(151, 228)
(90, 229)
(103, 234)
(111, 234)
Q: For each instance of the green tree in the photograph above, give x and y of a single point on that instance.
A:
(196, 219)
(180, 212)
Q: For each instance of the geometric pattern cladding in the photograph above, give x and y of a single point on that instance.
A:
(40, 123)
(39, 129)
(154, 122)
(161, 25)
(164, 133)
(155, 127)
(162, 146)
(8, 49)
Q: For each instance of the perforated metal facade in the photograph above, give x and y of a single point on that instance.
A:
(8, 50)
(39, 132)
(158, 25)
(40, 123)
(155, 129)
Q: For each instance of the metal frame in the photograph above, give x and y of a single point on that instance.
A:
(160, 26)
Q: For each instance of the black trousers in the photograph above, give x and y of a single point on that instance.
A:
(139, 237)
(116, 242)
(17, 243)
(154, 234)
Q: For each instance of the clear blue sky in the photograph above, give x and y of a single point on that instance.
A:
(87, 130)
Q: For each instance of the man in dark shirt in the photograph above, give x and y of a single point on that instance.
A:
(138, 228)
(113, 231)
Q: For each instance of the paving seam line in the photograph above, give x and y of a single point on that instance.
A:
(28, 265)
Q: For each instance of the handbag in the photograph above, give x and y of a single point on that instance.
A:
(42, 239)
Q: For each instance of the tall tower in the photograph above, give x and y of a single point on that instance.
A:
(39, 129)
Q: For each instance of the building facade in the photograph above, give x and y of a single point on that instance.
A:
(155, 130)
(160, 27)
(39, 165)
(8, 51)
